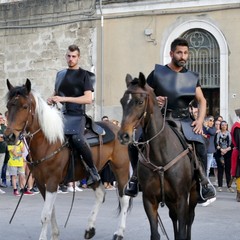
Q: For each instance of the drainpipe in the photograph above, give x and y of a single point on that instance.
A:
(102, 60)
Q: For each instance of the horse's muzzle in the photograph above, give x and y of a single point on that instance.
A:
(124, 138)
(11, 138)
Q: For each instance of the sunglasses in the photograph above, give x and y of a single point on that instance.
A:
(211, 120)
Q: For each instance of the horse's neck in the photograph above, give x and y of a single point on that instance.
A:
(33, 127)
(154, 125)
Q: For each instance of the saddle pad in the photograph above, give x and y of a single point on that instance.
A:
(93, 138)
(189, 134)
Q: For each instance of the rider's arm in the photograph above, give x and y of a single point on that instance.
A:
(84, 99)
(202, 106)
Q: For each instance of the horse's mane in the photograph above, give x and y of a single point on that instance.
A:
(50, 119)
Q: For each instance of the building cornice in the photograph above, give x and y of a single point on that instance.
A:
(164, 7)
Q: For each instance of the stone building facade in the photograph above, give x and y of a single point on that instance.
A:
(118, 37)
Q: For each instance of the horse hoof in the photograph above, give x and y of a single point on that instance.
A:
(117, 237)
(89, 233)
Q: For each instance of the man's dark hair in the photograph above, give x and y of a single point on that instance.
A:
(104, 117)
(73, 48)
(179, 42)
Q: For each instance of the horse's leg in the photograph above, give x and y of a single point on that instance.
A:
(47, 214)
(192, 204)
(179, 213)
(99, 199)
(183, 218)
(151, 210)
(124, 205)
(173, 216)
(120, 167)
(55, 229)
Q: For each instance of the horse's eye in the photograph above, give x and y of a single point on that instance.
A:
(139, 102)
(25, 106)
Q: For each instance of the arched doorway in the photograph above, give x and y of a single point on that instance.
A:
(205, 59)
(179, 29)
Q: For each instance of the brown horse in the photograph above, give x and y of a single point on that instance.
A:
(41, 126)
(165, 169)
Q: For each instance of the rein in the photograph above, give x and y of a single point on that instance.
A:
(136, 143)
(37, 162)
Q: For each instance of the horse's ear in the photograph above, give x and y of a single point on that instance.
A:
(128, 79)
(28, 85)
(9, 85)
(142, 80)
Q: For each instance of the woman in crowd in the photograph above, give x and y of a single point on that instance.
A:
(223, 156)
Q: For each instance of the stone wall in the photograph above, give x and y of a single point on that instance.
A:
(34, 36)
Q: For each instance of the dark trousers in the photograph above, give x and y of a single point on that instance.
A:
(4, 167)
(226, 167)
(79, 143)
(107, 175)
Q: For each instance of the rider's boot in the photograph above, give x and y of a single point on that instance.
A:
(93, 177)
(207, 191)
(86, 154)
(132, 187)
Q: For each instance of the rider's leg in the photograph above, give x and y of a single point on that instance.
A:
(207, 192)
(84, 150)
(131, 188)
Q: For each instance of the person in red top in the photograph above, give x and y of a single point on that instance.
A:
(235, 170)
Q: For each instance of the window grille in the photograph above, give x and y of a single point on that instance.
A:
(204, 57)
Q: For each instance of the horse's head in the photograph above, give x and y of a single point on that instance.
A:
(19, 106)
(136, 104)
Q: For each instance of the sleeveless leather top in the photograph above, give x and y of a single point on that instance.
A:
(73, 83)
(178, 87)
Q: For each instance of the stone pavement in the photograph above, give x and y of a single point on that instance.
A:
(218, 221)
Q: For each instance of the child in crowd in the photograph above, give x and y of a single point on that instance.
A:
(16, 168)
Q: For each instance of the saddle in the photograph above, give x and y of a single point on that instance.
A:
(184, 127)
(93, 126)
(94, 139)
(92, 133)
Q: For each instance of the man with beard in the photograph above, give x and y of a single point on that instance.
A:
(175, 87)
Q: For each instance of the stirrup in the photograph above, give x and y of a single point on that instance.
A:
(93, 176)
(204, 182)
(210, 191)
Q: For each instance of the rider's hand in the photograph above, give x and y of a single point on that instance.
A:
(50, 101)
(197, 126)
(55, 99)
(161, 101)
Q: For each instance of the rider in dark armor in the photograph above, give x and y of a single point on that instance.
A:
(73, 88)
(179, 86)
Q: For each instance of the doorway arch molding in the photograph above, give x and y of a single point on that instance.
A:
(178, 30)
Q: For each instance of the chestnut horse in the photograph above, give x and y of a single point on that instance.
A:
(30, 118)
(165, 169)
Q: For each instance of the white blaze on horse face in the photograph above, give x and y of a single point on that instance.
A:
(129, 98)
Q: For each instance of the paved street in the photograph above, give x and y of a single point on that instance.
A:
(219, 221)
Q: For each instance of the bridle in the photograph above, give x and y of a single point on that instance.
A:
(23, 130)
(142, 118)
(24, 135)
